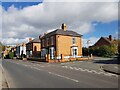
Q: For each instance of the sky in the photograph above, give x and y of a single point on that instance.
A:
(23, 20)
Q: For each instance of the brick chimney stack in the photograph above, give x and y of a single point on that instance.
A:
(110, 37)
(64, 26)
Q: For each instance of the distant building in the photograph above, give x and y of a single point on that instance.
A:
(104, 41)
(61, 42)
(20, 50)
(33, 47)
(108, 41)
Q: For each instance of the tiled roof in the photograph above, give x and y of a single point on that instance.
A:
(62, 32)
(107, 39)
(36, 40)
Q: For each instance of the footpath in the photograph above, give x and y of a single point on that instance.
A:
(3, 81)
(111, 65)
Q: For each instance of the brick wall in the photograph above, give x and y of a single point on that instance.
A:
(101, 42)
(64, 44)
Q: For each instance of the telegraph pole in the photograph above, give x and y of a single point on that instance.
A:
(88, 48)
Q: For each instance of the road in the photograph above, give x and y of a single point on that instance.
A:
(27, 74)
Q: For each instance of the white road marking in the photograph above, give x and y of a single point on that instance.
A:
(89, 71)
(64, 77)
(82, 69)
(106, 74)
(71, 67)
(100, 72)
(76, 68)
(36, 68)
(94, 71)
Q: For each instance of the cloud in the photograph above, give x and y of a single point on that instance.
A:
(93, 40)
(0, 23)
(81, 1)
(34, 20)
(10, 41)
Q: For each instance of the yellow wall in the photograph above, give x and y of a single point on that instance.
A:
(38, 45)
(64, 43)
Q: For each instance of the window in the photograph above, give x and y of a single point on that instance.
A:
(43, 43)
(73, 40)
(47, 41)
(52, 40)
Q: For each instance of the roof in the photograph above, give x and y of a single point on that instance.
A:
(36, 40)
(107, 39)
(62, 32)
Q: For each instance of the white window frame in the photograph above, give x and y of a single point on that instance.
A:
(73, 40)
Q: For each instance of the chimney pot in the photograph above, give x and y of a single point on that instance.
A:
(110, 37)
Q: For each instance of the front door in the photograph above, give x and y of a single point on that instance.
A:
(51, 50)
(74, 51)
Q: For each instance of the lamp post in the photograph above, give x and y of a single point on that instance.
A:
(88, 48)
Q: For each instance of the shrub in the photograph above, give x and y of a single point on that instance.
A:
(104, 51)
(11, 55)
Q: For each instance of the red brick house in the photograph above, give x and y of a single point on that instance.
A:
(104, 41)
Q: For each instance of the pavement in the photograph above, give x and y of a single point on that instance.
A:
(112, 68)
(3, 81)
(110, 65)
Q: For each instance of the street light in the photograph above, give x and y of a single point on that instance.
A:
(88, 47)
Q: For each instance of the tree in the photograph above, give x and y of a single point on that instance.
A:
(102, 51)
(3, 48)
(11, 55)
(105, 51)
(119, 47)
(85, 51)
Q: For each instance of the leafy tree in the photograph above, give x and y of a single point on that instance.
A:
(103, 51)
(11, 55)
(85, 51)
(3, 48)
(119, 47)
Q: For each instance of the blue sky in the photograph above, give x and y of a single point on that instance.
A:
(98, 28)
(104, 29)
(19, 5)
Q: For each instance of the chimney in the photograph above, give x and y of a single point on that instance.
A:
(64, 26)
(30, 39)
(45, 33)
(110, 37)
(40, 36)
(23, 44)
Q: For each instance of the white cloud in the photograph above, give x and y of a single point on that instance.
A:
(0, 23)
(92, 41)
(13, 41)
(81, 0)
(35, 20)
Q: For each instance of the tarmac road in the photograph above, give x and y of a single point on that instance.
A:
(24, 74)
